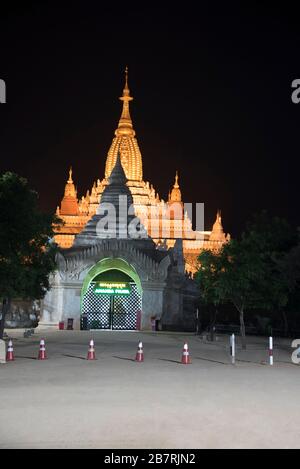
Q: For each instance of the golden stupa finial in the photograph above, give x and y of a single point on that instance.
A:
(125, 123)
(70, 180)
(176, 185)
(126, 92)
(126, 78)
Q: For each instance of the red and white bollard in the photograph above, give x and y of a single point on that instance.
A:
(271, 350)
(232, 348)
(185, 358)
(10, 352)
(140, 353)
(42, 352)
(91, 353)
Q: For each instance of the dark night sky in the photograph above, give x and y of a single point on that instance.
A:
(212, 93)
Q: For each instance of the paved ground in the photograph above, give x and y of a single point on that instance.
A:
(114, 402)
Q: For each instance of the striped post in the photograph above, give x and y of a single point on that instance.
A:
(232, 349)
(271, 350)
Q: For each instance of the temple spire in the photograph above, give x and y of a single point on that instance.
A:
(176, 185)
(217, 233)
(125, 122)
(69, 203)
(70, 190)
(175, 195)
(125, 143)
(126, 79)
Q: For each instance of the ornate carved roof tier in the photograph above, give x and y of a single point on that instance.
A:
(75, 260)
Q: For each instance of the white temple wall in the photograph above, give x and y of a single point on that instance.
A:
(52, 306)
(152, 303)
(71, 308)
(60, 303)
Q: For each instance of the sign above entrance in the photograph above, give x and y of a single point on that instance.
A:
(112, 288)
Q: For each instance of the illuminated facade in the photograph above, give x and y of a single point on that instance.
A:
(165, 221)
(149, 281)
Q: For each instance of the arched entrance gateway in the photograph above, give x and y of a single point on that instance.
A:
(111, 297)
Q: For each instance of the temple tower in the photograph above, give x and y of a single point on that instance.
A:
(164, 221)
(69, 203)
(125, 142)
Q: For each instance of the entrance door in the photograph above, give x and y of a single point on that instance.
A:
(106, 311)
(124, 311)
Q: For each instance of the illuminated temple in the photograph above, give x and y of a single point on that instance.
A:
(165, 221)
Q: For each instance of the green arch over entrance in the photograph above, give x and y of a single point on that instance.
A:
(109, 264)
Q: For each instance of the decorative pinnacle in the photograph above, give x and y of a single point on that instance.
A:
(176, 185)
(126, 77)
(125, 123)
(70, 180)
(126, 92)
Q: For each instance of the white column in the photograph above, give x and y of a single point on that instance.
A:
(232, 349)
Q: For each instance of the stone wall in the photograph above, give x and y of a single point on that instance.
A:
(179, 304)
(23, 314)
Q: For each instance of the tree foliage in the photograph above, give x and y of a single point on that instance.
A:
(27, 255)
(210, 266)
(259, 270)
(208, 275)
(275, 240)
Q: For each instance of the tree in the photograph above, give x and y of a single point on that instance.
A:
(27, 254)
(290, 266)
(242, 273)
(207, 277)
(277, 242)
(249, 272)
